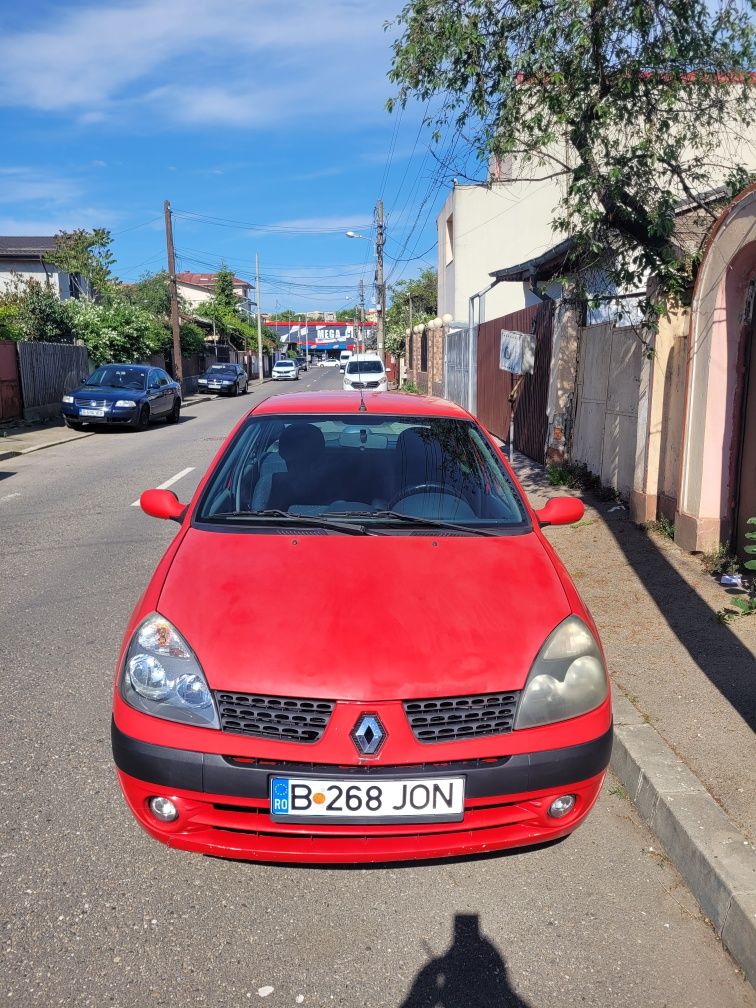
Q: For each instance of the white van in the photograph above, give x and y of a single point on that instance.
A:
(343, 358)
(365, 371)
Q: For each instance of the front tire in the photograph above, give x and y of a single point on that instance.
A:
(143, 420)
(173, 416)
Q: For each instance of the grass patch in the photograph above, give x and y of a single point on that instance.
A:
(663, 526)
(409, 386)
(577, 476)
(720, 561)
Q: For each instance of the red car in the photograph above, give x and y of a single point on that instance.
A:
(360, 647)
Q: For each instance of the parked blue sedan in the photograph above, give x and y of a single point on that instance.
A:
(131, 394)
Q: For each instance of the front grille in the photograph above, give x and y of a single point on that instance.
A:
(97, 403)
(368, 385)
(444, 719)
(290, 719)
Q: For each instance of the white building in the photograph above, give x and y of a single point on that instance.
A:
(196, 288)
(480, 227)
(23, 258)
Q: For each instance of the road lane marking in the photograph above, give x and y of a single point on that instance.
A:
(8, 497)
(170, 482)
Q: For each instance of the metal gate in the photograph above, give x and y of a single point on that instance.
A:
(494, 385)
(10, 387)
(457, 369)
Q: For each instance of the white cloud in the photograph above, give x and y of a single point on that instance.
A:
(187, 62)
(28, 185)
(326, 223)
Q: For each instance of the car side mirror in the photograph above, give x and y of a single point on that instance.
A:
(561, 511)
(162, 504)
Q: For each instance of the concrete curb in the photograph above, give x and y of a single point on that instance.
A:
(716, 861)
(14, 453)
(78, 435)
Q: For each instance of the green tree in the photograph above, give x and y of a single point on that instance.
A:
(223, 291)
(151, 292)
(412, 301)
(86, 253)
(287, 315)
(192, 338)
(634, 105)
(348, 314)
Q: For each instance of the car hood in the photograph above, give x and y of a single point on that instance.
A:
(104, 392)
(363, 618)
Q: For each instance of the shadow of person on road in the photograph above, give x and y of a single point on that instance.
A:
(471, 974)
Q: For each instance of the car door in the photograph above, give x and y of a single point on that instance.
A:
(168, 393)
(155, 393)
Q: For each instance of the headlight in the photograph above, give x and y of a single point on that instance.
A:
(567, 679)
(68, 398)
(162, 677)
(125, 402)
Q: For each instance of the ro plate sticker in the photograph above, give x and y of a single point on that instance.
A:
(279, 799)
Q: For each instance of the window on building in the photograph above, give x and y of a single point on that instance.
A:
(424, 351)
(449, 238)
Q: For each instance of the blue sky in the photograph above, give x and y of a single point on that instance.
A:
(260, 113)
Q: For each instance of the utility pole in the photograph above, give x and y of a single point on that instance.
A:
(260, 377)
(361, 330)
(380, 287)
(178, 370)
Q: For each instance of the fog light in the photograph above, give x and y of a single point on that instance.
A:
(559, 808)
(163, 809)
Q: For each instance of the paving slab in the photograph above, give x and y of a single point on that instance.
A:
(704, 820)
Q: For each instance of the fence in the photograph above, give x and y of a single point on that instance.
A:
(47, 371)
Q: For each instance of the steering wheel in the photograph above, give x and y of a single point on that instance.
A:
(425, 488)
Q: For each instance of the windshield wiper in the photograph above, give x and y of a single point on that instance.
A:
(412, 520)
(273, 517)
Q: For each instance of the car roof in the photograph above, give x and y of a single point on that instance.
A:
(379, 403)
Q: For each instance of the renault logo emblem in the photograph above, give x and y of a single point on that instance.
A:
(368, 734)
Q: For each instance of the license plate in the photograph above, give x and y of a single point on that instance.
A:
(213, 385)
(304, 799)
(91, 412)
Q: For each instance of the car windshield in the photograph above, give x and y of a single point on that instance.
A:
(219, 369)
(364, 367)
(118, 376)
(385, 472)
(285, 364)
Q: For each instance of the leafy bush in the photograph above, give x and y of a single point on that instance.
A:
(9, 328)
(192, 338)
(117, 331)
(409, 386)
(41, 315)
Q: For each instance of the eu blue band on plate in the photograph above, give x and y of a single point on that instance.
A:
(279, 795)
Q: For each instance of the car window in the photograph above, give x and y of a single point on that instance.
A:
(118, 376)
(364, 367)
(439, 468)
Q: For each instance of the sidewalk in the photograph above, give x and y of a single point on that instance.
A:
(22, 438)
(684, 689)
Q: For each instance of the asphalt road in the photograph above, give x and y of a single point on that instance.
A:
(96, 913)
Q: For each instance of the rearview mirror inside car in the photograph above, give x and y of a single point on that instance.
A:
(162, 504)
(561, 511)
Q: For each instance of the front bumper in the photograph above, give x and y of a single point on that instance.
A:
(224, 803)
(120, 415)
